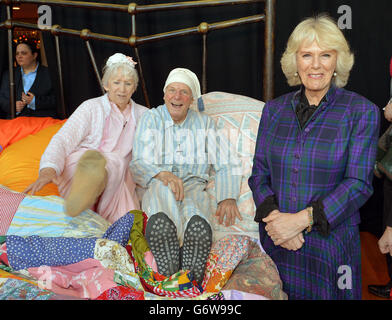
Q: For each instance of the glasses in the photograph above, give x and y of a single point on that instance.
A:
(181, 92)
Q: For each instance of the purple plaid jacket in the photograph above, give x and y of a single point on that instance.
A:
(330, 159)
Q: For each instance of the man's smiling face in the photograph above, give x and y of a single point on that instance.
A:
(178, 98)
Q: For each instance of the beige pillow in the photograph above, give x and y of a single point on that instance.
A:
(239, 116)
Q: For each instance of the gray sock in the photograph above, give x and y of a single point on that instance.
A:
(197, 246)
(161, 236)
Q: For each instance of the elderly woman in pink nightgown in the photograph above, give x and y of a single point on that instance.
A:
(89, 156)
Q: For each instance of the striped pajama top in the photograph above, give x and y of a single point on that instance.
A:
(194, 148)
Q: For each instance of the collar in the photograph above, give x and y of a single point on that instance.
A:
(305, 102)
(35, 70)
(114, 107)
(328, 98)
(106, 104)
(169, 121)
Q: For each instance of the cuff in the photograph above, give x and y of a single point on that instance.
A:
(264, 209)
(149, 177)
(320, 222)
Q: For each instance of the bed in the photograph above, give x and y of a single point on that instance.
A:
(237, 267)
(46, 255)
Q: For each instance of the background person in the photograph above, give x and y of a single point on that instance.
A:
(385, 242)
(35, 95)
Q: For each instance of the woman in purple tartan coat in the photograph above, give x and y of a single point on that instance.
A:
(313, 167)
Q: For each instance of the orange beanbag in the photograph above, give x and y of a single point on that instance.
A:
(18, 128)
(19, 162)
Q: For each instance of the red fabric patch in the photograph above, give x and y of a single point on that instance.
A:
(122, 293)
(3, 254)
(9, 203)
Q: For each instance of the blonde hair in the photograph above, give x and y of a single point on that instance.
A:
(326, 33)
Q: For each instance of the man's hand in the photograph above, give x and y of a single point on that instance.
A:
(228, 209)
(388, 112)
(46, 175)
(385, 242)
(175, 183)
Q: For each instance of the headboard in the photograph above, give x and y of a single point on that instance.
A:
(136, 41)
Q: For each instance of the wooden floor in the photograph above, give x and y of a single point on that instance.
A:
(374, 268)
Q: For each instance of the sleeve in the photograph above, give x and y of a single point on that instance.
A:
(67, 139)
(387, 210)
(356, 186)
(31, 105)
(269, 204)
(147, 136)
(260, 179)
(227, 165)
(320, 222)
(45, 98)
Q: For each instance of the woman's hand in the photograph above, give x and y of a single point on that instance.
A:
(46, 175)
(175, 183)
(285, 226)
(20, 105)
(295, 243)
(228, 208)
(27, 98)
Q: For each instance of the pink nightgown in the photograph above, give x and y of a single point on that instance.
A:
(119, 196)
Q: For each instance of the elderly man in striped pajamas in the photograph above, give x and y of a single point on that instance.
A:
(174, 152)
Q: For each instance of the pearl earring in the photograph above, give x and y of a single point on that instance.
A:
(296, 74)
(335, 74)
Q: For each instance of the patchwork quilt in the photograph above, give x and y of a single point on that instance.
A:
(46, 255)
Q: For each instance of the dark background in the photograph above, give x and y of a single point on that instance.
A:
(235, 59)
(235, 56)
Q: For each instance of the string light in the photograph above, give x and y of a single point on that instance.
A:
(23, 36)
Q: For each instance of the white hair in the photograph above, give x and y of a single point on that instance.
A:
(126, 68)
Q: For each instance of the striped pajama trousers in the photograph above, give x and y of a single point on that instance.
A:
(159, 198)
